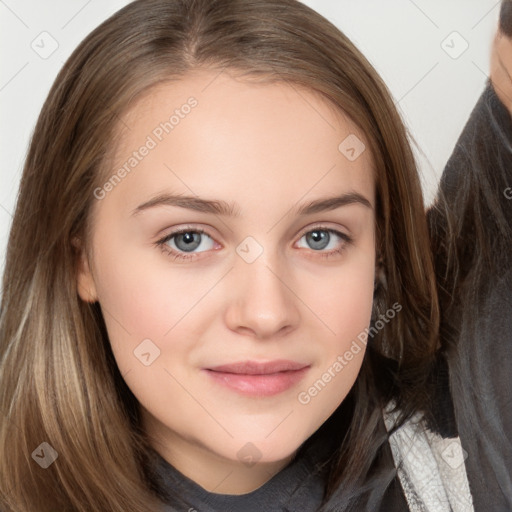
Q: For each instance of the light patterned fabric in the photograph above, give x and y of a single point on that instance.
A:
(431, 468)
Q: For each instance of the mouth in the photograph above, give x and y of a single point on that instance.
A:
(255, 378)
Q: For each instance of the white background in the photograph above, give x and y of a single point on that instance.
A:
(403, 39)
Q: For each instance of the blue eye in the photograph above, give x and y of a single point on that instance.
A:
(184, 241)
(321, 237)
(182, 244)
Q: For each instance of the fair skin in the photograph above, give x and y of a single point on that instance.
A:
(271, 149)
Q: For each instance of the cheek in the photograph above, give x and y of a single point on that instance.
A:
(149, 318)
(344, 301)
(142, 296)
(345, 308)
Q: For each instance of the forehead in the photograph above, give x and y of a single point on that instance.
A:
(213, 130)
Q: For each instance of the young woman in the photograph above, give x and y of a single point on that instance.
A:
(218, 291)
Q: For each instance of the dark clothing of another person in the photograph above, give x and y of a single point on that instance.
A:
(477, 325)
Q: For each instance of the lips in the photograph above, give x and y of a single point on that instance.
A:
(256, 368)
(255, 378)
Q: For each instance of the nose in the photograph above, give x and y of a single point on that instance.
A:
(262, 302)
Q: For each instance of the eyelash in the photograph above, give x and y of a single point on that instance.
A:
(184, 256)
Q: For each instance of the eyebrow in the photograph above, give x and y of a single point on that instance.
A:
(232, 209)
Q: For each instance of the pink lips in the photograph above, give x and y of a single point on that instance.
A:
(259, 379)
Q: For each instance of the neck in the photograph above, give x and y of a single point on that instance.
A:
(208, 469)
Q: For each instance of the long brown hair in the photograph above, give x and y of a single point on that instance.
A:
(58, 379)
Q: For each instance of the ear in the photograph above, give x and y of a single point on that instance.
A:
(380, 274)
(84, 280)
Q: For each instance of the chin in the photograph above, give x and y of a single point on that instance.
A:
(266, 451)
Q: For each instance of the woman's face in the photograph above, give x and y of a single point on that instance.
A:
(233, 335)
